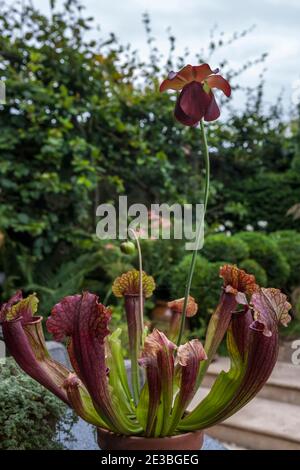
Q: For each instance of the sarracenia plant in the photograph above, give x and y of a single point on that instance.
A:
(165, 374)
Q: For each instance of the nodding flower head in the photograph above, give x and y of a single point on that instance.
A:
(196, 100)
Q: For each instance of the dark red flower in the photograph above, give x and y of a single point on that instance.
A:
(196, 100)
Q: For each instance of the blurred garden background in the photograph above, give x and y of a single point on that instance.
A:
(84, 123)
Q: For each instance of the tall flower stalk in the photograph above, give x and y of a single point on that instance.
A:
(134, 234)
(198, 234)
(195, 103)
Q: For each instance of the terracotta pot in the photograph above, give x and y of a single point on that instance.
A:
(189, 441)
(161, 311)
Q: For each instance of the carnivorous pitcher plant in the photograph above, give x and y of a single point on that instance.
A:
(165, 374)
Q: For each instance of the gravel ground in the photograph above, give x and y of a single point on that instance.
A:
(84, 439)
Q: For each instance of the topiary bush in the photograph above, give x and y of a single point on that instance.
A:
(220, 247)
(266, 252)
(288, 242)
(30, 416)
(157, 254)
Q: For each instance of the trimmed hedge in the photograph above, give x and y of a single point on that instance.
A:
(265, 251)
(288, 242)
(220, 247)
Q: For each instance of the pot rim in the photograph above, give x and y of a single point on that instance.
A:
(139, 438)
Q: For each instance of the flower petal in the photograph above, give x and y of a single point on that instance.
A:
(182, 117)
(201, 72)
(189, 73)
(194, 101)
(177, 81)
(213, 111)
(217, 81)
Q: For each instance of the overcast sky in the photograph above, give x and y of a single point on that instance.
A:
(277, 32)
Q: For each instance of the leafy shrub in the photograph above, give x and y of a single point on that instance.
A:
(220, 247)
(263, 197)
(30, 416)
(289, 244)
(159, 256)
(266, 252)
(253, 267)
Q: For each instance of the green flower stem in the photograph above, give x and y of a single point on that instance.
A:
(135, 377)
(194, 257)
(140, 276)
(107, 296)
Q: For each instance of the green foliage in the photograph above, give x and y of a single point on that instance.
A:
(254, 163)
(77, 130)
(220, 247)
(30, 416)
(265, 251)
(84, 122)
(157, 255)
(265, 198)
(288, 242)
(94, 270)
